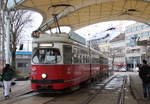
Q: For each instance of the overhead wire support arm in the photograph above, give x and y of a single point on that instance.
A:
(56, 20)
(59, 15)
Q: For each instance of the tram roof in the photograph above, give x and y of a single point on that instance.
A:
(62, 38)
(80, 13)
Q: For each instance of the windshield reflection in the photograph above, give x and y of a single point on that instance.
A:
(46, 56)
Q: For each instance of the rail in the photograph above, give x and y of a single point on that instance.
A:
(121, 95)
(90, 98)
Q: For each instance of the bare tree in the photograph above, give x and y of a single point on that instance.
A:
(3, 10)
(113, 55)
(19, 20)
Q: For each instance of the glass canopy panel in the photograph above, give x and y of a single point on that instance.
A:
(13, 3)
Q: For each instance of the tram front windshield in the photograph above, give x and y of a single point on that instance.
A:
(46, 56)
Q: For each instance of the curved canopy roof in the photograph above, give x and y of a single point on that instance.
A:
(80, 13)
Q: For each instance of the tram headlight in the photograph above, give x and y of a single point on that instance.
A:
(44, 75)
(33, 69)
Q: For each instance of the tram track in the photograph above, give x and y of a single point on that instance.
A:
(121, 93)
(82, 96)
(121, 96)
(89, 98)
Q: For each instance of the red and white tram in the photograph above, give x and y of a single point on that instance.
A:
(59, 62)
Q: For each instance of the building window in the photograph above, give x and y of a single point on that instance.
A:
(22, 65)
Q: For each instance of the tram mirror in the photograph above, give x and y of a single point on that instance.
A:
(36, 34)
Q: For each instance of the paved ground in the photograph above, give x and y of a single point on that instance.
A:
(137, 90)
(134, 94)
(20, 88)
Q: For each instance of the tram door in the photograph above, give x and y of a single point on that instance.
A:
(67, 54)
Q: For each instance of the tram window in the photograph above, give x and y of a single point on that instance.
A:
(67, 54)
(22, 64)
(74, 50)
(76, 59)
(42, 51)
(46, 56)
(93, 60)
(52, 56)
(81, 59)
(97, 60)
(35, 57)
(86, 59)
(101, 60)
(74, 56)
(105, 61)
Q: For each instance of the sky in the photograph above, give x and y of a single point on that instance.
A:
(100, 28)
(29, 28)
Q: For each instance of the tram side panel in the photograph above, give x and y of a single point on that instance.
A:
(95, 65)
(77, 59)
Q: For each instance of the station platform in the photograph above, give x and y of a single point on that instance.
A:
(134, 94)
(137, 89)
(134, 91)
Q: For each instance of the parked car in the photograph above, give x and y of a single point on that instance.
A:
(123, 69)
(136, 69)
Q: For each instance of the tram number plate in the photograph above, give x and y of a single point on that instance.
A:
(44, 86)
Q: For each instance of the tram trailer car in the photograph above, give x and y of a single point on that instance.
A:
(60, 63)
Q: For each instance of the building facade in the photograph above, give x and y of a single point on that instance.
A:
(23, 56)
(100, 41)
(135, 53)
(117, 52)
(23, 61)
(104, 48)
